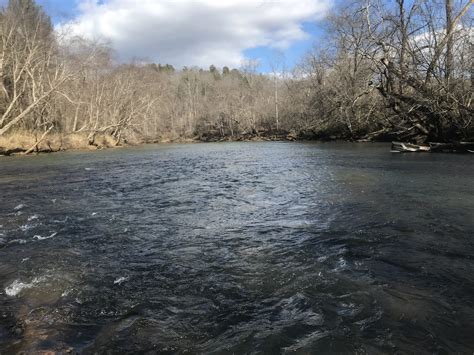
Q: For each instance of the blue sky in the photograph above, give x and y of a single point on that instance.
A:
(290, 56)
(59, 9)
(199, 32)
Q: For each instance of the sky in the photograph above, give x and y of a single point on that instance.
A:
(272, 33)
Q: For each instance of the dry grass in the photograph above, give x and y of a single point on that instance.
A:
(105, 141)
(22, 141)
(17, 140)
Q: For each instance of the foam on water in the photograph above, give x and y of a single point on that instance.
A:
(27, 227)
(66, 293)
(17, 286)
(38, 237)
(19, 207)
(341, 264)
(120, 280)
(306, 341)
(61, 221)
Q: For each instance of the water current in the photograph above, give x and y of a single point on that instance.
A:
(237, 248)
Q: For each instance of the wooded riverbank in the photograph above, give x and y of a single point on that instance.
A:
(26, 144)
(400, 72)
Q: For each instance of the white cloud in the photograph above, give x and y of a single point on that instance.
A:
(195, 32)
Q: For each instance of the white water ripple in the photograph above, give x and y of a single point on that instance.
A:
(38, 237)
(17, 286)
(19, 207)
(120, 280)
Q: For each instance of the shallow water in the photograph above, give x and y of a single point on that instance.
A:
(237, 248)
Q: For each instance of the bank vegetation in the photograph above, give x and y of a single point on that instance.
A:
(399, 70)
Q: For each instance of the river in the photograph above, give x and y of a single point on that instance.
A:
(234, 248)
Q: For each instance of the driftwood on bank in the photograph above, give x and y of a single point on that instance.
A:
(23, 151)
(460, 147)
(399, 147)
(10, 151)
(38, 142)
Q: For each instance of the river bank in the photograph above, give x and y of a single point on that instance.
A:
(26, 143)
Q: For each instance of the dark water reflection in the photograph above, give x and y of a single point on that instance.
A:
(237, 248)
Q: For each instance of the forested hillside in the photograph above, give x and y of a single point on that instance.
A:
(387, 70)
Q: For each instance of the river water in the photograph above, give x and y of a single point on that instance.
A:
(235, 248)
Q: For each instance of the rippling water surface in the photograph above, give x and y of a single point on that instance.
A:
(237, 248)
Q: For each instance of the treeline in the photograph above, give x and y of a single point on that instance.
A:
(397, 70)
(394, 70)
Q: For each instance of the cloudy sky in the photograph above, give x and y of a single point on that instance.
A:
(196, 32)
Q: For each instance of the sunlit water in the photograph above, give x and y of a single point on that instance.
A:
(237, 248)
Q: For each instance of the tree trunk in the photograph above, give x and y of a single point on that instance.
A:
(449, 44)
(449, 34)
(404, 40)
(35, 146)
